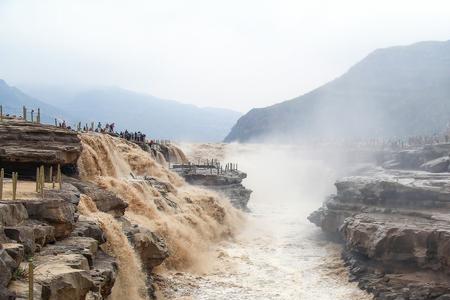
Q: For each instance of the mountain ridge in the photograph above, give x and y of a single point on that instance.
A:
(160, 118)
(395, 83)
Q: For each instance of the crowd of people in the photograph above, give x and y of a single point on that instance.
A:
(133, 136)
(393, 143)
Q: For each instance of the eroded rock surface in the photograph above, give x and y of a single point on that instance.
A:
(431, 158)
(396, 229)
(25, 144)
(228, 183)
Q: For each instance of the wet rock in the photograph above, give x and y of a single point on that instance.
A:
(32, 234)
(6, 294)
(15, 251)
(12, 214)
(56, 212)
(3, 238)
(437, 165)
(150, 247)
(396, 232)
(104, 273)
(19, 288)
(228, 183)
(86, 227)
(7, 267)
(106, 201)
(64, 277)
(23, 235)
(76, 245)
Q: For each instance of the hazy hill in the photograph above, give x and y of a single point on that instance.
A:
(12, 100)
(395, 91)
(157, 117)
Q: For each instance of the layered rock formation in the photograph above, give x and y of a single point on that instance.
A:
(430, 158)
(24, 145)
(70, 252)
(396, 231)
(228, 183)
(63, 247)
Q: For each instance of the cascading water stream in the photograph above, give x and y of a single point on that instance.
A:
(189, 219)
(279, 254)
(130, 283)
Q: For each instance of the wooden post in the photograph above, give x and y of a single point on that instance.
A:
(42, 180)
(1, 113)
(38, 118)
(50, 176)
(42, 184)
(59, 177)
(2, 174)
(42, 173)
(24, 113)
(32, 115)
(30, 279)
(14, 183)
(37, 180)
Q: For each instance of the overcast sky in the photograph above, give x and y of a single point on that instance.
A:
(236, 54)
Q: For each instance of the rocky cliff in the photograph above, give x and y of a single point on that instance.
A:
(25, 145)
(395, 226)
(118, 214)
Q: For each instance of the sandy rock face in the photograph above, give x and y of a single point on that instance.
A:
(151, 248)
(105, 200)
(12, 214)
(24, 142)
(56, 212)
(65, 249)
(396, 231)
(228, 183)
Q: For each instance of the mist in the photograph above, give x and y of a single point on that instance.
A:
(207, 53)
(279, 254)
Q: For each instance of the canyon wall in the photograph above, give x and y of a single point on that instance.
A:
(394, 224)
(120, 217)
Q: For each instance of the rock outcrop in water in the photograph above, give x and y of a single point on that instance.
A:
(228, 183)
(395, 226)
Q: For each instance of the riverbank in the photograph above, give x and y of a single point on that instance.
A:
(393, 221)
(279, 255)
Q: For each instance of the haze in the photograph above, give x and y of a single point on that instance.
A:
(231, 54)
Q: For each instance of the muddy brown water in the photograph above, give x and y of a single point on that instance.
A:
(278, 254)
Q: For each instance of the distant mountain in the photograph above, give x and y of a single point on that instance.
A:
(396, 91)
(158, 118)
(13, 99)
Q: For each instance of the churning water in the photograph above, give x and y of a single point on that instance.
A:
(278, 254)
